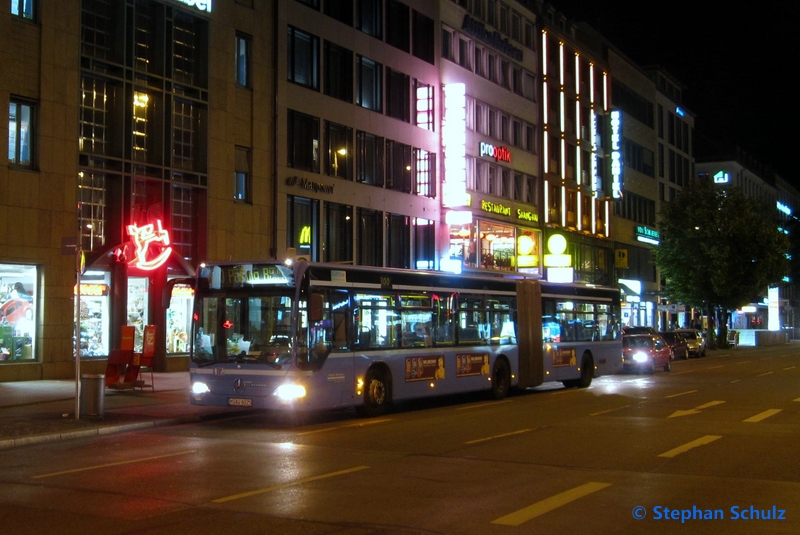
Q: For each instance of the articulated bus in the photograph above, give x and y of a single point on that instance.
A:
(322, 336)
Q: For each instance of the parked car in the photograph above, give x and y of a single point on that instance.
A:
(645, 352)
(695, 340)
(678, 345)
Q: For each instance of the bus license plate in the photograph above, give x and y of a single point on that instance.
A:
(240, 402)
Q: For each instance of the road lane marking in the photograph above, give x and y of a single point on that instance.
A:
(735, 381)
(798, 399)
(120, 463)
(498, 436)
(743, 362)
(702, 441)
(696, 410)
(762, 416)
(682, 394)
(289, 484)
(479, 405)
(790, 368)
(763, 374)
(545, 506)
(609, 410)
(359, 424)
(713, 367)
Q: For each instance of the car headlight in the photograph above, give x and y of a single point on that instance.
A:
(290, 392)
(200, 388)
(640, 357)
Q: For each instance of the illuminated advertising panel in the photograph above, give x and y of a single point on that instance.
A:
(616, 154)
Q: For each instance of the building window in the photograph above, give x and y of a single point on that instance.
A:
(21, 118)
(398, 250)
(92, 209)
(22, 8)
(183, 206)
(242, 183)
(370, 237)
(425, 171)
(369, 77)
(397, 33)
(302, 226)
(369, 159)
(338, 79)
(303, 142)
(97, 30)
(98, 99)
(447, 45)
(398, 166)
(243, 61)
(424, 243)
(186, 44)
(303, 58)
(341, 10)
(369, 17)
(338, 150)
(310, 3)
(424, 105)
(338, 246)
(423, 31)
(398, 99)
(188, 136)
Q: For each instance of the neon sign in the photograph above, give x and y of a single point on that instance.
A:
(146, 239)
(498, 153)
(202, 5)
(616, 154)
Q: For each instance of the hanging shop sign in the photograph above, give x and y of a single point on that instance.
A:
(500, 154)
(152, 245)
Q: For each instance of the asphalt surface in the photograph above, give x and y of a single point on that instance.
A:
(33, 412)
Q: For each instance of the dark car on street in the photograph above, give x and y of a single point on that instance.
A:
(679, 347)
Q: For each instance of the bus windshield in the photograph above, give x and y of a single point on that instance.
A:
(243, 329)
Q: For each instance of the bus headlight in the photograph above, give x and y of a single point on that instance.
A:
(200, 388)
(289, 392)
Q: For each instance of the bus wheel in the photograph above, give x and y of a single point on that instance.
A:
(501, 379)
(587, 372)
(376, 394)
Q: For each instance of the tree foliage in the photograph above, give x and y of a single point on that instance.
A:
(719, 247)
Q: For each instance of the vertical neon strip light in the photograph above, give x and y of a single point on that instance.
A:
(544, 53)
(607, 222)
(546, 201)
(605, 91)
(545, 104)
(591, 83)
(454, 141)
(561, 113)
(546, 151)
(594, 214)
(578, 164)
(577, 74)
(563, 206)
(561, 63)
(595, 179)
(579, 211)
(563, 159)
(578, 120)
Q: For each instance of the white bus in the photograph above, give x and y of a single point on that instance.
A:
(322, 336)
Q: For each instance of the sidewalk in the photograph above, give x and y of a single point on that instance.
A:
(32, 412)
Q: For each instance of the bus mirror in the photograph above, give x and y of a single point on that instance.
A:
(315, 308)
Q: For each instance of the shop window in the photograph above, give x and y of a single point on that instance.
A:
(21, 124)
(179, 316)
(424, 243)
(18, 292)
(338, 246)
(497, 246)
(302, 227)
(95, 314)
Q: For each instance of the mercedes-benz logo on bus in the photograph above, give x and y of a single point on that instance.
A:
(239, 385)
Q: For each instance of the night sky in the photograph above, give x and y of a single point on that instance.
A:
(740, 66)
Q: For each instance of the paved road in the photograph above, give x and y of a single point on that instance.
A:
(717, 438)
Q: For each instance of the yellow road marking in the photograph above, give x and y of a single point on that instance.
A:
(498, 436)
(545, 506)
(682, 394)
(789, 368)
(709, 404)
(763, 374)
(702, 441)
(120, 463)
(290, 484)
(609, 410)
(359, 424)
(743, 362)
(735, 380)
(762, 416)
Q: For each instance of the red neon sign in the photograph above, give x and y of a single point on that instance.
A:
(146, 239)
(227, 324)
